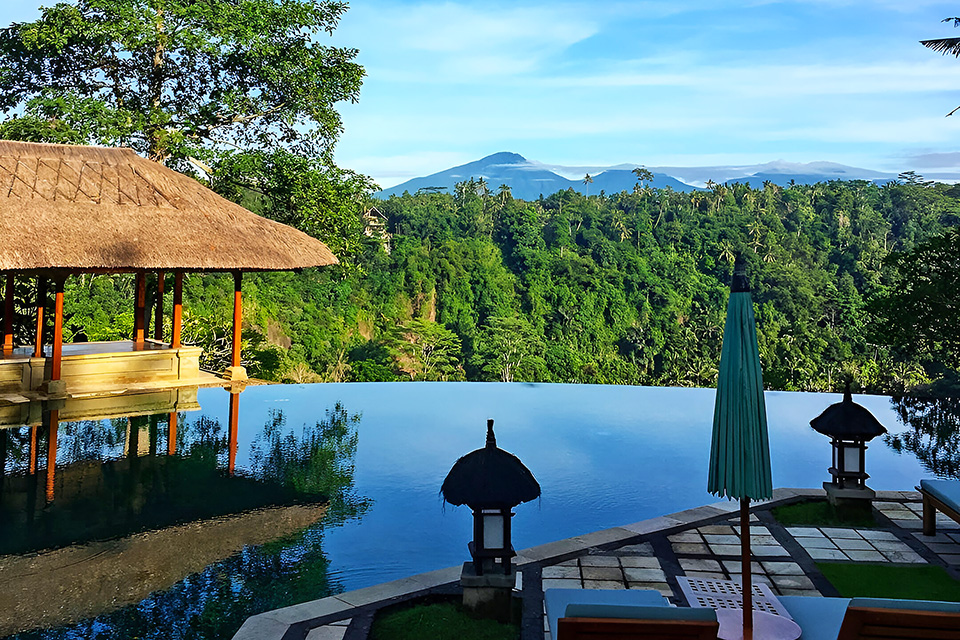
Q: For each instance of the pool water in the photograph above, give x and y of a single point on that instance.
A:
(604, 456)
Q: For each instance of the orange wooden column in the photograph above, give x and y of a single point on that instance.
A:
(8, 314)
(177, 309)
(237, 317)
(172, 433)
(140, 308)
(158, 312)
(52, 451)
(57, 328)
(234, 422)
(41, 303)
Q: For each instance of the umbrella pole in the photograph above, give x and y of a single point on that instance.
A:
(746, 569)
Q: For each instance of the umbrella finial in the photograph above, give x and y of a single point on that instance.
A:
(491, 439)
(740, 282)
(847, 397)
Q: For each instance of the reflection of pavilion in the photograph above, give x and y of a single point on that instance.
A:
(80, 211)
(111, 532)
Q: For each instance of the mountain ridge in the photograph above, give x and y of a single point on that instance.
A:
(529, 179)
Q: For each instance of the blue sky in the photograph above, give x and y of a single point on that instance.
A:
(653, 82)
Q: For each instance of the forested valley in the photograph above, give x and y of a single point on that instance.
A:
(628, 288)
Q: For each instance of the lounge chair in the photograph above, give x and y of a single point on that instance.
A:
(939, 495)
(851, 619)
(576, 614)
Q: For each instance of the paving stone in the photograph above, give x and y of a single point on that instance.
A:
(865, 555)
(340, 623)
(550, 583)
(940, 537)
(733, 567)
(955, 536)
(910, 524)
(874, 534)
(602, 573)
(686, 536)
(939, 548)
(805, 532)
(827, 554)
(662, 587)
(644, 575)
(725, 549)
(890, 545)
(951, 559)
(691, 564)
(816, 543)
(885, 504)
(840, 533)
(643, 549)
(792, 582)
(758, 529)
(705, 575)
(328, 632)
(762, 539)
(690, 548)
(911, 557)
(810, 593)
(720, 529)
(568, 563)
(561, 572)
(768, 550)
(603, 584)
(782, 568)
(850, 544)
(640, 562)
(599, 561)
(713, 539)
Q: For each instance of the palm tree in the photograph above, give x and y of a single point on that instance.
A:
(587, 181)
(946, 46)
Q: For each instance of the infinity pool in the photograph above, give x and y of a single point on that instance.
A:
(604, 456)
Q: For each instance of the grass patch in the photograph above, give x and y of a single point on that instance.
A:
(913, 582)
(439, 621)
(820, 513)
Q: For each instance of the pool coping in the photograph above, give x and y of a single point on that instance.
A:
(295, 621)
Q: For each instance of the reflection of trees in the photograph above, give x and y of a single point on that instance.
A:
(934, 434)
(316, 464)
(319, 462)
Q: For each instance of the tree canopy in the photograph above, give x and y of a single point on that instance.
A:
(179, 78)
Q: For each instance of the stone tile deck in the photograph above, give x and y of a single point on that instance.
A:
(702, 542)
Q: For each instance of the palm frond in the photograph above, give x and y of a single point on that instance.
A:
(944, 45)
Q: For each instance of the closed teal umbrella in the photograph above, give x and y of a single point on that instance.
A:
(739, 451)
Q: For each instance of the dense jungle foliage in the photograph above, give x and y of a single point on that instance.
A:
(627, 288)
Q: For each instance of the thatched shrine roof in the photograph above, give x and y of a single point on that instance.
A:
(97, 209)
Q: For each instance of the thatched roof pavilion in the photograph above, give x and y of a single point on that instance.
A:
(75, 209)
(109, 210)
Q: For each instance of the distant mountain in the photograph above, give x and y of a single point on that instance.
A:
(529, 179)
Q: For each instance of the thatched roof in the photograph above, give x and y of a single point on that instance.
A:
(92, 208)
(848, 420)
(489, 478)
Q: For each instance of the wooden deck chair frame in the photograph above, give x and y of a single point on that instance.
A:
(623, 629)
(861, 623)
(932, 504)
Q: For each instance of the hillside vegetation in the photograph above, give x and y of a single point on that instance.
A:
(615, 289)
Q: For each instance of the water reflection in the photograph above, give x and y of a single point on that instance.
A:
(934, 435)
(107, 533)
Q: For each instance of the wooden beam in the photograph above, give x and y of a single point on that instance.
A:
(158, 312)
(237, 317)
(177, 308)
(57, 328)
(140, 308)
(41, 303)
(234, 422)
(8, 314)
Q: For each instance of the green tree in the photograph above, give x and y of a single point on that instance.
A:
(177, 78)
(509, 348)
(426, 350)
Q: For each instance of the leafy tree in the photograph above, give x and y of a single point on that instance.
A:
(175, 78)
(426, 350)
(509, 349)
